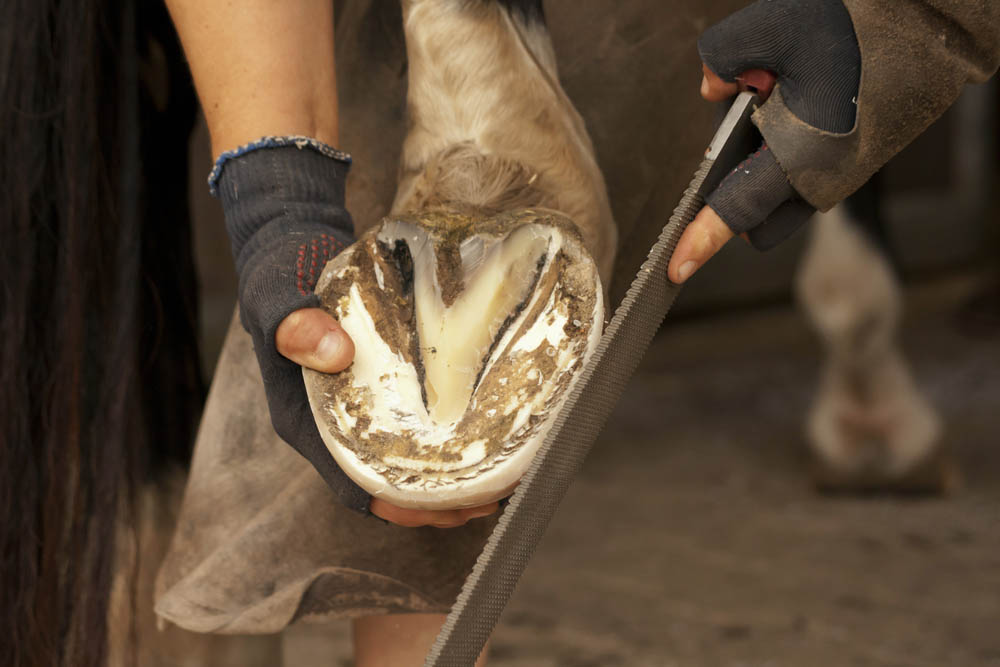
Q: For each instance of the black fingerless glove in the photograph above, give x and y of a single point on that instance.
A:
(283, 199)
(811, 47)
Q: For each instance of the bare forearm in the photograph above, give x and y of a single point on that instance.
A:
(261, 67)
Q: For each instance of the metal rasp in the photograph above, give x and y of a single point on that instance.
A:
(595, 394)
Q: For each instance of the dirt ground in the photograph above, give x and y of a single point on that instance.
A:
(693, 537)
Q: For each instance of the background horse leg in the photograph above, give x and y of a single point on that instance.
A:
(870, 427)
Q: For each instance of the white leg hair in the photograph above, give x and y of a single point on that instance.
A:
(490, 126)
(490, 130)
(869, 415)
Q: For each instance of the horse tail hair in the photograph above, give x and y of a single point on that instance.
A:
(78, 344)
(530, 10)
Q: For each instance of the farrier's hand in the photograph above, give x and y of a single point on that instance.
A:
(312, 338)
(283, 200)
(411, 518)
(811, 48)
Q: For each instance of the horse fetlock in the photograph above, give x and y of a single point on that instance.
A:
(490, 125)
(848, 290)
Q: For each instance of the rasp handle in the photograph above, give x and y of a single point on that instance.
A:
(595, 394)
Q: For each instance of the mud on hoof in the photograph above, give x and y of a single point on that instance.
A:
(470, 333)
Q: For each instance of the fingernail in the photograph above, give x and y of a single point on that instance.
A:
(704, 85)
(329, 347)
(687, 268)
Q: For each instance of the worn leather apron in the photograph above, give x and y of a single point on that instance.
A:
(260, 541)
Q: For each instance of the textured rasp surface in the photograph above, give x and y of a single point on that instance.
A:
(510, 547)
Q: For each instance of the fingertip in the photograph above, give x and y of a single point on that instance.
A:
(704, 237)
(686, 270)
(481, 511)
(713, 88)
(311, 337)
(759, 80)
(446, 518)
(334, 352)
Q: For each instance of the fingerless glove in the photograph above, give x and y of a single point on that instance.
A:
(811, 47)
(283, 199)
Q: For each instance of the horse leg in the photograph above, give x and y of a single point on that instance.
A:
(870, 427)
(490, 125)
(490, 130)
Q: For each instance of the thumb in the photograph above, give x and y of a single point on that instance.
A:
(311, 337)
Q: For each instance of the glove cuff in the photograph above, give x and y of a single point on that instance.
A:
(296, 140)
(279, 185)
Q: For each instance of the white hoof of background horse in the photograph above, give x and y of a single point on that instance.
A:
(870, 428)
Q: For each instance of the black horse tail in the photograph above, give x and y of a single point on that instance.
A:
(530, 10)
(99, 381)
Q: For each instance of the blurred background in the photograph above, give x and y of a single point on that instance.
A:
(695, 535)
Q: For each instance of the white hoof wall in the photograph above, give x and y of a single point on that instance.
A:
(469, 335)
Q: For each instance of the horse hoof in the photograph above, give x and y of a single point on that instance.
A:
(469, 334)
